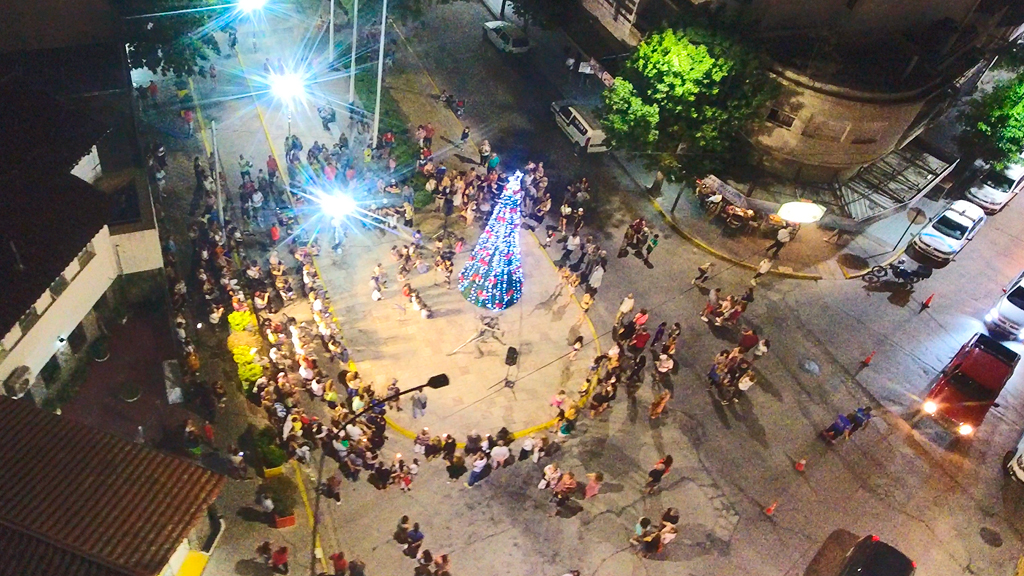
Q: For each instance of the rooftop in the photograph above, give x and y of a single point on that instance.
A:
(80, 502)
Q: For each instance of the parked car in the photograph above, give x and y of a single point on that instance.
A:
(507, 37)
(1014, 462)
(948, 233)
(967, 388)
(872, 557)
(1007, 316)
(580, 126)
(996, 188)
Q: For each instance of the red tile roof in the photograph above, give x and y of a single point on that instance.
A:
(88, 503)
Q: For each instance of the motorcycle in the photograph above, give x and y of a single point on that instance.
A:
(458, 106)
(900, 272)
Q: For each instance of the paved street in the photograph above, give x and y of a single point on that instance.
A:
(938, 502)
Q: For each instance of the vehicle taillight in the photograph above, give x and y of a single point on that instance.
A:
(586, 143)
(874, 538)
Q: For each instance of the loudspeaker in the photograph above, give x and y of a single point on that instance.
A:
(511, 356)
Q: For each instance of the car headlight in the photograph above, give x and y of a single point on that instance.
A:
(990, 316)
(930, 407)
(965, 429)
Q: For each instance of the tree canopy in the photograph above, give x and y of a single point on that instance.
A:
(172, 44)
(683, 99)
(993, 124)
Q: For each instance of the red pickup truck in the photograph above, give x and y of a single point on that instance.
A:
(968, 386)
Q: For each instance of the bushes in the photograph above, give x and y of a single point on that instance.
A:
(248, 374)
(270, 455)
(283, 491)
(422, 199)
(240, 321)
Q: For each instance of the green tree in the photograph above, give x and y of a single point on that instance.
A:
(993, 124)
(683, 99)
(172, 44)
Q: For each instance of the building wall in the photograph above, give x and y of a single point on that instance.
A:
(137, 251)
(63, 313)
(852, 20)
(617, 16)
(89, 168)
(56, 24)
(832, 134)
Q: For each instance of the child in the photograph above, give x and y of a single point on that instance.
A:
(577, 345)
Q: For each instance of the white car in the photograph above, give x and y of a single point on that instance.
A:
(1007, 316)
(949, 232)
(506, 36)
(996, 188)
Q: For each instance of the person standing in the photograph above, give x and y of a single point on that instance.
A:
(595, 279)
(479, 463)
(339, 563)
(625, 307)
(189, 118)
(272, 168)
(762, 269)
(264, 552)
(392, 394)
(279, 560)
(419, 404)
(464, 138)
(500, 455)
(571, 245)
(244, 168)
(652, 243)
(485, 151)
(428, 136)
(213, 75)
(594, 481)
(781, 239)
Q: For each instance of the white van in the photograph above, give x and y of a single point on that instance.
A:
(580, 126)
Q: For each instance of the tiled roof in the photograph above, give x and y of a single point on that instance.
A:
(88, 502)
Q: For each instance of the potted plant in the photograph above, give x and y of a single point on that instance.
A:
(271, 457)
(99, 349)
(284, 494)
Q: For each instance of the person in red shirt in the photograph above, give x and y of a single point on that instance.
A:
(154, 91)
(271, 168)
(639, 342)
(748, 339)
(279, 560)
(340, 563)
(428, 135)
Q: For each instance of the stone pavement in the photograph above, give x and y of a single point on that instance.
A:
(388, 339)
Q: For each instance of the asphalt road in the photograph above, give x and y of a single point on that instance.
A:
(945, 505)
(938, 499)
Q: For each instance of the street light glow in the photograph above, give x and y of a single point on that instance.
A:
(801, 212)
(337, 206)
(250, 6)
(287, 86)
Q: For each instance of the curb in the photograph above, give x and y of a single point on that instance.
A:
(736, 261)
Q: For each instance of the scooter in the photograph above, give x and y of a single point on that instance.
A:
(900, 272)
(457, 106)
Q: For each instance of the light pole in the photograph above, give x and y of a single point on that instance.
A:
(352, 63)
(216, 175)
(435, 382)
(330, 37)
(380, 71)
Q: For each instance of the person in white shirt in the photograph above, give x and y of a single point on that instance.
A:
(624, 308)
(762, 269)
(499, 454)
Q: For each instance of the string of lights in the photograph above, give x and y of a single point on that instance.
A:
(493, 276)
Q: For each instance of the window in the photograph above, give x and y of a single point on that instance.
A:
(28, 320)
(575, 123)
(86, 255)
(566, 113)
(77, 339)
(780, 118)
(827, 130)
(50, 371)
(59, 286)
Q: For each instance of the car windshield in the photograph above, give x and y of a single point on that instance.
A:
(1016, 297)
(972, 390)
(950, 227)
(998, 180)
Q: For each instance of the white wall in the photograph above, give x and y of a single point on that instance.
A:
(89, 168)
(138, 251)
(64, 314)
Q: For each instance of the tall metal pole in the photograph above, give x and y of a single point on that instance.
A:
(352, 63)
(216, 175)
(380, 71)
(330, 37)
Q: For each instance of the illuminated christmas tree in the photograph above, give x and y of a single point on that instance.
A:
(493, 276)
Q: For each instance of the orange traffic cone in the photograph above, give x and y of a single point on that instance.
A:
(867, 361)
(926, 304)
(800, 465)
(771, 509)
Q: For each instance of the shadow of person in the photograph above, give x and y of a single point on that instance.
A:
(250, 567)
